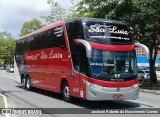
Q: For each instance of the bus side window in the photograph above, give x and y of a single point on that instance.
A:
(70, 30)
(83, 61)
(58, 37)
(74, 31)
(76, 60)
(78, 30)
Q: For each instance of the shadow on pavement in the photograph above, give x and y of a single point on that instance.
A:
(89, 104)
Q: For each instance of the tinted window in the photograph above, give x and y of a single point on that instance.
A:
(74, 31)
(48, 39)
(78, 52)
(147, 71)
(22, 45)
(78, 31)
(140, 72)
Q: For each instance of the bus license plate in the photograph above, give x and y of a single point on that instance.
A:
(117, 96)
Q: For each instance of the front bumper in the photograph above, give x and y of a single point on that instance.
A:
(96, 92)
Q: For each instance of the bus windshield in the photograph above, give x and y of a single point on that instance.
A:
(106, 32)
(113, 65)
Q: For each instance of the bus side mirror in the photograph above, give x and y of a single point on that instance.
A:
(87, 46)
(145, 49)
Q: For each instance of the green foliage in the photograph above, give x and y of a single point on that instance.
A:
(93, 8)
(57, 12)
(7, 47)
(148, 27)
(30, 26)
(148, 23)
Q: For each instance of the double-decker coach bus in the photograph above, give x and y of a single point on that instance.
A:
(88, 58)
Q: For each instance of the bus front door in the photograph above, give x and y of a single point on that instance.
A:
(76, 72)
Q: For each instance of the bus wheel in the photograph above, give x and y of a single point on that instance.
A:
(23, 83)
(66, 92)
(28, 83)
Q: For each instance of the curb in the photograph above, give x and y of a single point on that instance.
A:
(150, 91)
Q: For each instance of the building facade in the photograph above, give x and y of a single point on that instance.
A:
(141, 59)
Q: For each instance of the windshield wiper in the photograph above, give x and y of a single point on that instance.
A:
(126, 75)
(103, 76)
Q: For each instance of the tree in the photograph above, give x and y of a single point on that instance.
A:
(31, 26)
(57, 12)
(7, 47)
(142, 15)
(93, 8)
(148, 30)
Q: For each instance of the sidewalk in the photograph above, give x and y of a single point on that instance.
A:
(150, 91)
(157, 92)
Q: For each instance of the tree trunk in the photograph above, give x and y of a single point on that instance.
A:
(4, 65)
(153, 76)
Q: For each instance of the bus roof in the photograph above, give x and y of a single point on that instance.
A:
(93, 19)
(43, 29)
(67, 21)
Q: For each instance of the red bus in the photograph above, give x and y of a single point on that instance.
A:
(88, 58)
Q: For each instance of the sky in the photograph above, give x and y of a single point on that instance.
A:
(13, 13)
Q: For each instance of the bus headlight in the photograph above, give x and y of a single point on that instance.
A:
(95, 86)
(93, 93)
(87, 83)
(135, 86)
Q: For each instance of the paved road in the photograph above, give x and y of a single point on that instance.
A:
(20, 98)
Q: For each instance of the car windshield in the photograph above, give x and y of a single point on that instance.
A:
(111, 65)
(147, 71)
(11, 66)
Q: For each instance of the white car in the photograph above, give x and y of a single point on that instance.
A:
(10, 69)
(158, 73)
(144, 75)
